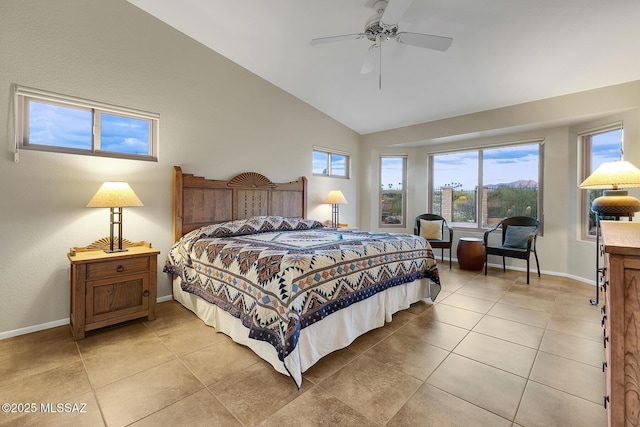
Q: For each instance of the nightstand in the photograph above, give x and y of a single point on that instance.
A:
(109, 288)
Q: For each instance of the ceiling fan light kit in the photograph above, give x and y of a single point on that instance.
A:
(378, 29)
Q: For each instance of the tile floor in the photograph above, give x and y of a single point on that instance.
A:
(492, 351)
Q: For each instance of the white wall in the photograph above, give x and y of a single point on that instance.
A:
(216, 120)
(557, 121)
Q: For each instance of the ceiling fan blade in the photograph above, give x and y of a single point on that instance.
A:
(426, 41)
(332, 39)
(394, 11)
(371, 60)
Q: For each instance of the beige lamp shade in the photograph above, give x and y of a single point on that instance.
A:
(114, 194)
(336, 197)
(612, 175)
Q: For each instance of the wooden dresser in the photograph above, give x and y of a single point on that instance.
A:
(109, 288)
(621, 321)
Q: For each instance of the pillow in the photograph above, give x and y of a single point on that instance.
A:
(254, 225)
(517, 236)
(431, 230)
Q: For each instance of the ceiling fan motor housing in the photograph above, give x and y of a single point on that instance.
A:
(375, 27)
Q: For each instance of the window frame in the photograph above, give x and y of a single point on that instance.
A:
(402, 192)
(585, 150)
(330, 153)
(23, 96)
(478, 226)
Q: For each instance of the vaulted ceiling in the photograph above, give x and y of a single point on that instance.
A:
(504, 52)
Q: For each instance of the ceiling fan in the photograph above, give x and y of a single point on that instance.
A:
(382, 27)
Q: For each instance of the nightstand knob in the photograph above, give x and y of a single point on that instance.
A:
(145, 293)
(120, 268)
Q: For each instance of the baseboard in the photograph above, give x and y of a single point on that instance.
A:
(549, 273)
(34, 328)
(165, 298)
(53, 324)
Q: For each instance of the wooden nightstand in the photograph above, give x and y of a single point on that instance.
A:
(109, 288)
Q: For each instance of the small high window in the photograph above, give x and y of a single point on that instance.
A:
(60, 123)
(330, 163)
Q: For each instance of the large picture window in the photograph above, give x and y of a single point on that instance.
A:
(478, 188)
(393, 191)
(59, 123)
(597, 147)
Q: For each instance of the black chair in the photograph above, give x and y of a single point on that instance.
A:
(519, 235)
(442, 242)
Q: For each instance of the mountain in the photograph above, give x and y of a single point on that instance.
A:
(521, 183)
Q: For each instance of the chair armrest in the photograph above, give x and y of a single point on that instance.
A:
(487, 232)
(531, 239)
(446, 224)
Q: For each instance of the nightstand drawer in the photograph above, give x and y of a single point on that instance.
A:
(105, 269)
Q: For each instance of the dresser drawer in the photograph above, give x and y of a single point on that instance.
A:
(106, 269)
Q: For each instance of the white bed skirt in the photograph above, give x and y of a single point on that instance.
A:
(332, 333)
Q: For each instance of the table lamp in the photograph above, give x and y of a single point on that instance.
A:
(115, 196)
(335, 198)
(610, 176)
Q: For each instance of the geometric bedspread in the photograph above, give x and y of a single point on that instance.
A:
(278, 275)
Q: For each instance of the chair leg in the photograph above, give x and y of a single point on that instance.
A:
(527, 271)
(537, 263)
(486, 257)
(504, 266)
(449, 257)
(442, 255)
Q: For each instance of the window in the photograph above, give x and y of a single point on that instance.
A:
(330, 163)
(51, 122)
(478, 188)
(393, 191)
(597, 147)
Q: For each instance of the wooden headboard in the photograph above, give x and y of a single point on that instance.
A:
(198, 201)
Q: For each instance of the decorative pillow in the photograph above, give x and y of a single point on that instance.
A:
(517, 236)
(431, 230)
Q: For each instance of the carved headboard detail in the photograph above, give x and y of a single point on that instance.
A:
(198, 201)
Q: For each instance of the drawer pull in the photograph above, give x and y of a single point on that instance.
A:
(120, 268)
(603, 309)
(604, 341)
(145, 292)
(606, 399)
(603, 320)
(604, 366)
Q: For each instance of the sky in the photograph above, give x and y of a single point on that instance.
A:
(68, 127)
(500, 165)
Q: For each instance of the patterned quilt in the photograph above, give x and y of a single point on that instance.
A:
(279, 275)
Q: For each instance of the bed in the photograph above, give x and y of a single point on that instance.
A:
(247, 262)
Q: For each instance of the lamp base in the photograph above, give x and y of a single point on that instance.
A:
(114, 250)
(616, 203)
(120, 245)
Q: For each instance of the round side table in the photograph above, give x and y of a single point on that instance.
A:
(470, 253)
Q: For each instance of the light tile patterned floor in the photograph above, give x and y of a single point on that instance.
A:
(492, 352)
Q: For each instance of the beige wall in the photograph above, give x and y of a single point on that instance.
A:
(216, 119)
